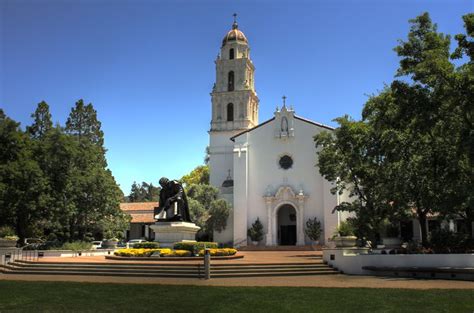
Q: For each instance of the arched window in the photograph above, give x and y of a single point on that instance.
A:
(230, 112)
(230, 83)
(231, 54)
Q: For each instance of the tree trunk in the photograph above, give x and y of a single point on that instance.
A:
(424, 228)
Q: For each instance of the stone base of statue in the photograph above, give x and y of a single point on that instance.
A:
(169, 232)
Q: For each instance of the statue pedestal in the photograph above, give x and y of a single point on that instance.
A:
(167, 233)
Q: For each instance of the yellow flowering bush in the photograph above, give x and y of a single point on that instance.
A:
(141, 252)
(220, 252)
(166, 252)
(178, 253)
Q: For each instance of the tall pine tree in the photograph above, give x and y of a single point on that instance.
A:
(42, 121)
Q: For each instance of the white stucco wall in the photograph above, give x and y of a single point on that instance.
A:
(220, 156)
(351, 261)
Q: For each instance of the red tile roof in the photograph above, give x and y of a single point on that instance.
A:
(138, 206)
(142, 218)
(141, 212)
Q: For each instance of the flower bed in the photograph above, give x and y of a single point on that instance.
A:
(165, 252)
(178, 253)
(141, 252)
(220, 252)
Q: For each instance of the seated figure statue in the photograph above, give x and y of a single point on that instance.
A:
(172, 201)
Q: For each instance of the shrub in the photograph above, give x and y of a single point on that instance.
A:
(146, 245)
(256, 231)
(344, 229)
(446, 241)
(313, 229)
(76, 246)
(141, 252)
(12, 238)
(6, 231)
(220, 252)
(194, 246)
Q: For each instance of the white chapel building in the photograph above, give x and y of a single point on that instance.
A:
(265, 170)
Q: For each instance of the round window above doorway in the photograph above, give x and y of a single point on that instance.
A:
(285, 162)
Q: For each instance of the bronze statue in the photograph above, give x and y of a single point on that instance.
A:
(172, 201)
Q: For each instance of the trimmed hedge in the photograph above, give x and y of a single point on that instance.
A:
(195, 246)
(146, 245)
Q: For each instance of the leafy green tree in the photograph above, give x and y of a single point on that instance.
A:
(135, 194)
(199, 215)
(144, 192)
(42, 121)
(219, 212)
(199, 175)
(351, 157)
(206, 209)
(56, 156)
(83, 124)
(424, 127)
(413, 148)
(205, 194)
(151, 193)
(22, 183)
(462, 105)
(55, 183)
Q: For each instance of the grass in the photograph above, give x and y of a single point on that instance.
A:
(94, 297)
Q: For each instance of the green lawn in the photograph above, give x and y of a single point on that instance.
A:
(92, 297)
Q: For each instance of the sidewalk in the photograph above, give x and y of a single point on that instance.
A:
(333, 281)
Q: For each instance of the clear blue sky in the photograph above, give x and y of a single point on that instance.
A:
(148, 66)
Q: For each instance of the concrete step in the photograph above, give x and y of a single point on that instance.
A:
(244, 268)
(119, 267)
(105, 267)
(175, 275)
(174, 271)
(316, 262)
(168, 270)
(285, 273)
(102, 269)
(101, 273)
(163, 266)
(263, 270)
(94, 264)
(280, 248)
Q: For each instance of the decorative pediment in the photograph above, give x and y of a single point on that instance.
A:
(285, 193)
(284, 122)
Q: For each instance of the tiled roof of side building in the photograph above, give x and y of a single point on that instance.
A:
(138, 206)
(142, 218)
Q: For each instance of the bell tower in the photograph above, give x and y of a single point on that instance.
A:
(234, 102)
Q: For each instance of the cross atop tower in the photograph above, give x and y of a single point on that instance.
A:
(235, 25)
(284, 101)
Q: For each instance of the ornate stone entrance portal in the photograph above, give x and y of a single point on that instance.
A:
(285, 212)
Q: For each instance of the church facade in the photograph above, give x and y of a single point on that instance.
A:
(267, 170)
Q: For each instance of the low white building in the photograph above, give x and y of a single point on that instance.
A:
(266, 170)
